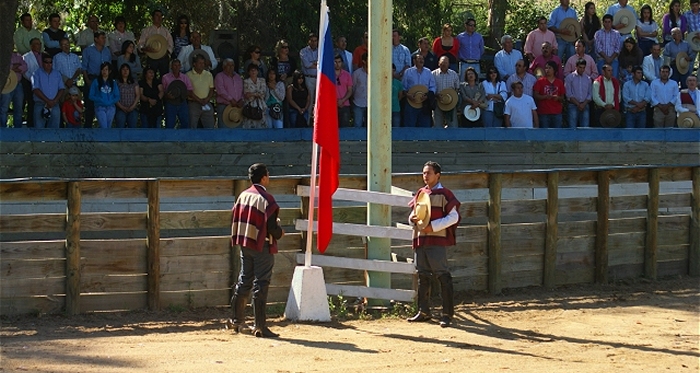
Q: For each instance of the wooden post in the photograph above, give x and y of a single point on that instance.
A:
(601, 236)
(153, 242)
(494, 232)
(651, 247)
(73, 248)
(694, 253)
(550, 245)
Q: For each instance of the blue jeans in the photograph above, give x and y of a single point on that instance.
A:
(344, 116)
(490, 121)
(636, 120)
(40, 122)
(147, 123)
(396, 119)
(550, 120)
(129, 119)
(360, 115)
(294, 117)
(16, 97)
(680, 78)
(565, 49)
(105, 115)
(173, 112)
(271, 123)
(413, 117)
(578, 118)
(615, 67)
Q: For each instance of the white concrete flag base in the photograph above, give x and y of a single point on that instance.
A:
(307, 299)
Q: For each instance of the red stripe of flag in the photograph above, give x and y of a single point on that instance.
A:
(326, 132)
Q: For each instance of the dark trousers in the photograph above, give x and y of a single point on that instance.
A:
(431, 261)
(256, 272)
(29, 102)
(161, 65)
(88, 104)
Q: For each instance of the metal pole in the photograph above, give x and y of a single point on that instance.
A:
(312, 206)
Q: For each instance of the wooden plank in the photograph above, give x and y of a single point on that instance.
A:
(73, 226)
(679, 173)
(575, 276)
(189, 263)
(567, 178)
(196, 298)
(111, 283)
(361, 230)
(361, 196)
(95, 302)
(33, 223)
(601, 244)
(628, 175)
(36, 305)
(626, 203)
(525, 180)
(127, 265)
(522, 279)
(53, 249)
(153, 255)
(111, 221)
(580, 204)
(35, 268)
(33, 190)
(371, 293)
(200, 188)
(196, 280)
(577, 228)
(200, 245)
(24, 287)
(673, 252)
(113, 189)
(673, 268)
(494, 232)
(359, 264)
(627, 225)
(651, 247)
(106, 250)
(195, 219)
(519, 207)
(677, 200)
(550, 246)
(694, 250)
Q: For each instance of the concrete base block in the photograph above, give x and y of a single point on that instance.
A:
(307, 299)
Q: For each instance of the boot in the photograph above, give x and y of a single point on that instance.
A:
(423, 300)
(238, 303)
(260, 329)
(447, 292)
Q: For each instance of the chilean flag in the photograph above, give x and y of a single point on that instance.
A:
(326, 131)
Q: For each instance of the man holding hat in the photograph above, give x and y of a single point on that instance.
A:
(681, 55)
(606, 91)
(447, 85)
(229, 90)
(687, 103)
(624, 29)
(158, 59)
(435, 216)
(14, 92)
(558, 15)
(419, 84)
(187, 52)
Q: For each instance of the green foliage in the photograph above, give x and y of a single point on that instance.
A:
(338, 306)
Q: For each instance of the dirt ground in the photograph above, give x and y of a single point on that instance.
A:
(630, 327)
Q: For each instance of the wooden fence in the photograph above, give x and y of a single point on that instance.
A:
(502, 243)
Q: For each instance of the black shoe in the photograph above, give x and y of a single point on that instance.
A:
(264, 332)
(419, 317)
(445, 322)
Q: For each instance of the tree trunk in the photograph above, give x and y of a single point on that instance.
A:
(496, 23)
(7, 29)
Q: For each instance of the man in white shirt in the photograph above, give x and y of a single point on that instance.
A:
(506, 58)
(86, 37)
(445, 78)
(196, 43)
(520, 111)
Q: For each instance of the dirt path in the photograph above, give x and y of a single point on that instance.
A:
(614, 328)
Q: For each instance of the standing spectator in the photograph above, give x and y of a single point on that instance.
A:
(689, 99)
(181, 35)
(341, 44)
(255, 93)
(104, 93)
(87, 36)
(447, 45)
(94, 57)
(674, 18)
(570, 67)
(274, 100)
(229, 89)
(692, 16)
(560, 13)
(578, 93)
(672, 51)
(621, 4)
(309, 66)
(283, 63)
(546, 56)
(161, 64)
(25, 33)
(431, 62)
(129, 94)
(471, 47)
(34, 62)
(647, 29)
(652, 64)
(630, 56)
(396, 97)
(418, 75)
(445, 78)
(53, 34)
(506, 58)
(537, 37)
(520, 111)
(48, 89)
(299, 100)
(343, 91)
(254, 54)
(151, 94)
(185, 55)
(129, 57)
(116, 38)
(359, 51)
(200, 106)
(175, 107)
(590, 24)
(72, 109)
(636, 95)
(496, 94)
(550, 93)
(606, 91)
(68, 64)
(664, 97)
(607, 45)
(16, 96)
(473, 95)
(400, 55)
(521, 75)
(360, 93)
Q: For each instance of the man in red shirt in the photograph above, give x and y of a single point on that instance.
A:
(549, 92)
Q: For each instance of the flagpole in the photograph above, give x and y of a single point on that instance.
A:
(312, 205)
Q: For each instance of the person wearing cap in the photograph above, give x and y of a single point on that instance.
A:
(93, 57)
(520, 110)
(229, 89)
(537, 37)
(157, 28)
(506, 58)
(72, 109)
(550, 93)
(560, 13)
(25, 33)
(53, 35)
(116, 38)
(547, 55)
(445, 78)
(664, 99)
(522, 76)
(430, 241)
(48, 88)
(68, 64)
(607, 45)
(614, 8)
(173, 110)
(636, 94)
(572, 62)
(606, 91)
(85, 37)
(15, 96)
(578, 95)
(424, 49)
(672, 49)
(418, 75)
(186, 53)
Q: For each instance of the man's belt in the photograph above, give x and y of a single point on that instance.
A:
(311, 76)
(469, 61)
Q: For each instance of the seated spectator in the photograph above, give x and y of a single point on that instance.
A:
(53, 34)
(185, 55)
(652, 64)
(636, 95)
(48, 89)
(299, 100)
(520, 111)
(116, 38)
(275, 99)
(129, 94)
(151, 94)
(68, 64)
(181, 35)
(359, 93)
(255, 94)
(72, 109)
(549, 93)
(506, 58)
(664, 99)
(15, 96)
(104, 92)
(571, 63)
(254, 54)
(129, 57)
(546, 56)
(229, 89)
(521, 75)
(175, 107)
(85, 37)
(447, 45)
(200, 106)
(578, 93)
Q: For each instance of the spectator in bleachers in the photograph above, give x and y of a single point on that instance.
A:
(48, 88)
(571, 63)
(471, 94)
(104, 93)
(359, 51)
(664, 96)
(68, 64)
(129, 92)
(471, 47)
(200, 106)
(359, 93)
(254, 57)
(343, 90)
(128, 56)
(400, 55)
(151, 93)
(72, 109)
(606, 91)
(94, 57)
(590, 24)
(607, 45)
(181, 35)
(116, 38)
(53, 34)
(447, 45)
(520, 111)
(85, 37)
(613, 9)
(175, 107)
(275, 100)
(688, 99)
(672, 50)
(299, 101)
(16, 96)
(25, 33)
(521, 75)
(431, 62)
(34, 63)
(547, 56)
(229, 89)
(496, 93)
(341, 44)
(647, 29)
(160, 64)
(674, 18)
(652, 63)
(636, 95)
(560, 13)
(506, 58)
(185, 55)
(283, 63)
(445, 78)
(537, 37)
(309, 64)
(255, 94)
(630, 56)
(549, 93)
(692, 16)
(578, 95)
(413, 76)
(396, 97)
